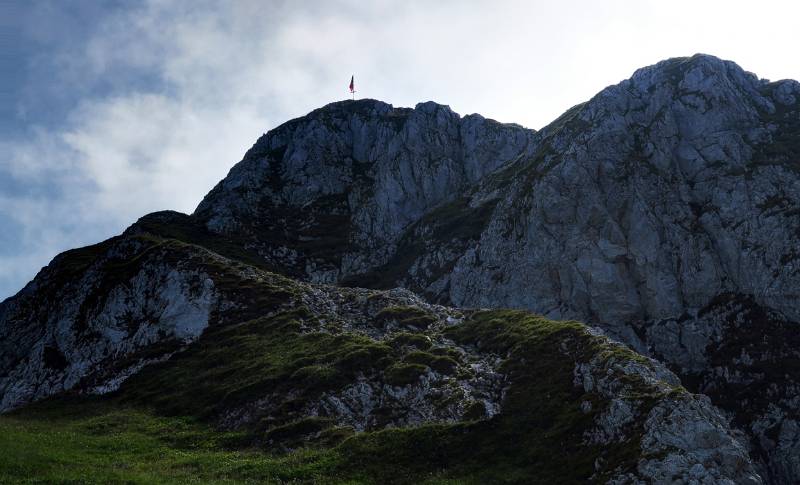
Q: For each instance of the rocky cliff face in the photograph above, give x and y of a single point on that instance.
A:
(646, 203)
(665, 211)
(84, 315)
(653, 197)
(328, 195)
(745, 357)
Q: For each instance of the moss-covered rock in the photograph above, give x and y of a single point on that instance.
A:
(403, 374)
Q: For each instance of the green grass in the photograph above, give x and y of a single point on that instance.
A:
(187, 229)
(406, 316)
(402, 374)
(100, 442)
(94, 443)
(443, 364)
(230, 366)
(414, 340)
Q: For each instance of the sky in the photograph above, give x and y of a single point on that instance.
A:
(112, 109)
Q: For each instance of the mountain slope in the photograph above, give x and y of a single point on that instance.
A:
(650, 202)
(163, 328)
(663, 211)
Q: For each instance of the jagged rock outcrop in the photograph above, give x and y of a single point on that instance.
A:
(328, 195)
(665, 210)
(83, 316)
(745, 357)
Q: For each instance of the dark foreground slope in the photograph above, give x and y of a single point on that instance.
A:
(166, 362)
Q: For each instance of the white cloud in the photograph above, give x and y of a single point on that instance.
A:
(210, 77)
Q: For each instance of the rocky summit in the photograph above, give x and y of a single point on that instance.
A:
(393, 295)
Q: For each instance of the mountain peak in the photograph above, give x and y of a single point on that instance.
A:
(700, 72)
(375, 107)
(361, 106)
(431, 107)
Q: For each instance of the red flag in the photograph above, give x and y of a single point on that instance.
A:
(352, 85)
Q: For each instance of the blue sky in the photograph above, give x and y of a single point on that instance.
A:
(113, 109)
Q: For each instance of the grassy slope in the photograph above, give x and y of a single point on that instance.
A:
(95, 442)
(159, 428)
(140, 437)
